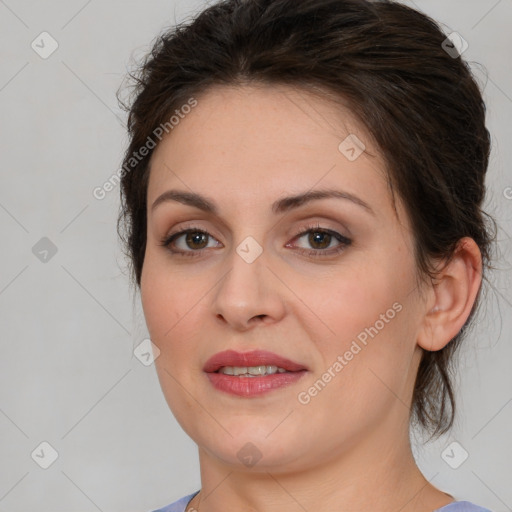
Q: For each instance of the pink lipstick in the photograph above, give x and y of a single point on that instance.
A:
(252, 373)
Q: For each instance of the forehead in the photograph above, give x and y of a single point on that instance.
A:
(262, 141)
(279, 119)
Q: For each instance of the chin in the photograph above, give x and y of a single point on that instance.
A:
(253, 449)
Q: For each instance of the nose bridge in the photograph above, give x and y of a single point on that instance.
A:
(242, 284)
(247, 289)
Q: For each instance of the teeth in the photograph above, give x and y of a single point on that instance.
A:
(257, 370)
(251, 371)
(239, 370)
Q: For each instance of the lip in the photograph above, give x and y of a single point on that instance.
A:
(252, 386)
(252, 358)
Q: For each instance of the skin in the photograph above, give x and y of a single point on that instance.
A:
(348, 448)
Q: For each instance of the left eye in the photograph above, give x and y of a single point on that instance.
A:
(320, 239)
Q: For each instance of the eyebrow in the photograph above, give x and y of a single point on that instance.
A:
(282, 205)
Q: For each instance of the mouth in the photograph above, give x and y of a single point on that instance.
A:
(251, 373)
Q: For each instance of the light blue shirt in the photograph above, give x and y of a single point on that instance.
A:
(455, 506)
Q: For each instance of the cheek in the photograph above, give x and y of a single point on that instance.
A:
(368, 309)
(356, 300)
(158, 302)
(164, 295)
(171, 311)
(174, 310)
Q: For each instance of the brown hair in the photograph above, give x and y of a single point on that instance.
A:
(389, 64)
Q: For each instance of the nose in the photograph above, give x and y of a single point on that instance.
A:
(249, 294)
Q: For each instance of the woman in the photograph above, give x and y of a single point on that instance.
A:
(301, 205)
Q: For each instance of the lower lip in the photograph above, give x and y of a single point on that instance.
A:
(253, 386)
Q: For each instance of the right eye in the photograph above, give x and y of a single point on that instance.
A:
(195, 239)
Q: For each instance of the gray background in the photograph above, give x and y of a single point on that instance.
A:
(68, 375)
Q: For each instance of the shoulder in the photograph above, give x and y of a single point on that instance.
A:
(177, 506)
(462, 506)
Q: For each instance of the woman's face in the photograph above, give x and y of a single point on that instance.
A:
(326, 283)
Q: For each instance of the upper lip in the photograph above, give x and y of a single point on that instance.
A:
(252, 358)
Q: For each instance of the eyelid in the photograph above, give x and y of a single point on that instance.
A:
(193, 226)
(313, 225)
(294, 232)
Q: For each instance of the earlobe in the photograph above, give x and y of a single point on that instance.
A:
(453, 297)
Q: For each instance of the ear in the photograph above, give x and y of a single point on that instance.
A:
(452, 297)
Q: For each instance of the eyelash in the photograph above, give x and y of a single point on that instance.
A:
(344, 241)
